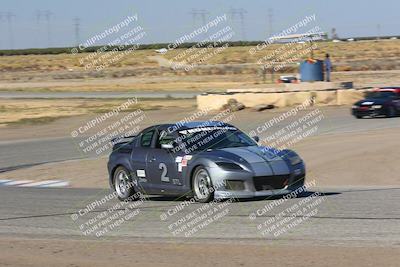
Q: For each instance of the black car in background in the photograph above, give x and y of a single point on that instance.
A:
(384, 101)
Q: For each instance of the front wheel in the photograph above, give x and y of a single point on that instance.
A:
(391, 112)
(202, 185)
(123, 184)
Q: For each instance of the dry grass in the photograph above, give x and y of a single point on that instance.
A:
(34, 111)
(341, 52)
(143, 70)
(344, 51)
(130, 85)
(68, 62)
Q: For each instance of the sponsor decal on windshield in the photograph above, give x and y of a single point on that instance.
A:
(206, 129)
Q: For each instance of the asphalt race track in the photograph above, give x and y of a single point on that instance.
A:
(355, 216)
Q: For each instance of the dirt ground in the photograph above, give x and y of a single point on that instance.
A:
(56, 252)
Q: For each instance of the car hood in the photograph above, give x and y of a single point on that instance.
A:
(371, 101)
(253, 154)
(261, 160)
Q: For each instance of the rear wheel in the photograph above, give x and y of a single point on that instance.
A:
(358, 116)
(202, 185)
(123, 184)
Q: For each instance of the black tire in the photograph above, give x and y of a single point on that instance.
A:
(297, 183)
(390, 112)
(123, 185)
(202, 187)
(358, 116)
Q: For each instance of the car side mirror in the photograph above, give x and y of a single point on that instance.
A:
(167, 146)
(256, 138)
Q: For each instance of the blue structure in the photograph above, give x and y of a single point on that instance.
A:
(312, 71)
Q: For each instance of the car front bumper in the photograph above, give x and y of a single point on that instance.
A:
(368, 111)
(252, 186)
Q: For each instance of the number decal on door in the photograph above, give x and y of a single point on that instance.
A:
(164, 177)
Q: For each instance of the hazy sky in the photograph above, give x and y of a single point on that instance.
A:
(165, 21)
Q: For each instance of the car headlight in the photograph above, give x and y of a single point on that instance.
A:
(376, 106)
(229, 166)
(354, 106)
(295, 159)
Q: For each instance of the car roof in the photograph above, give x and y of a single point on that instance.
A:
(395, 89)
(189, 125)
(196, 124)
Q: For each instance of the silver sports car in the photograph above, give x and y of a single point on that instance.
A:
(204, 160)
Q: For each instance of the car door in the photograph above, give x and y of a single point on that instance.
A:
(163, 164)
(139, 157)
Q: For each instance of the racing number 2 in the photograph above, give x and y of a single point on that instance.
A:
(163, 167)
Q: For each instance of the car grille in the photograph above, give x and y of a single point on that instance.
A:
(235, 185)
(270, 182)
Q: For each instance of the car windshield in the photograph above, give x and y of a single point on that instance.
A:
(381, 94)
(199, 139)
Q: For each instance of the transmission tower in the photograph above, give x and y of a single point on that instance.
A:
(10, 16)
(47, 15)
(378, 31)
(77, 24)
(201, 13)
(38, 16)
(1, 21)
(270, 21)
(240, 12)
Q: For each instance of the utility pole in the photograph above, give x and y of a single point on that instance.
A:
(240, 12)
(77, 24)
(10, 16)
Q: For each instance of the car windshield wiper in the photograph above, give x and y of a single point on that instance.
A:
(237, 145)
